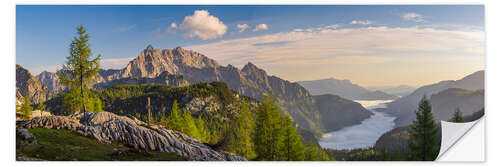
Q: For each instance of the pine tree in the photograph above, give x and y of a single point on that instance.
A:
(26, 109)
(268, 132)
(242, 143)
(293, 148)
(78, 71)
(457, 116)
(423, 134)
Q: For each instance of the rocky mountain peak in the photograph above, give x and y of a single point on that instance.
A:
(27, 84)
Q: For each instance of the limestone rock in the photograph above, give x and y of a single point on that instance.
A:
(23, 133)
(107, 127)
(27, 84)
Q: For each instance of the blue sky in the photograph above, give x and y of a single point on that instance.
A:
(119, 33)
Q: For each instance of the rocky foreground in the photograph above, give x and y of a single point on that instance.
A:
(108, 127)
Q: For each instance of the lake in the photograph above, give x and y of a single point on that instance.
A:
(362, 135)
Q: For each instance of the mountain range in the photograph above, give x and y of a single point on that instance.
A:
(180, 67)
(443, 99)
(400, 90)
(344, 88)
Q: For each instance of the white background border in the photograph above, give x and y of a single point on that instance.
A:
(7, 97)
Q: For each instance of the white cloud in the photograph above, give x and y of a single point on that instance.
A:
(242, 27)
(173, 25)
(203, 25)
(413, 17)
(260, 27)
(333, 26)
(361, 22)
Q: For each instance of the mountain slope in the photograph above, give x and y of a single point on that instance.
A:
(403, 107)
(343, 88)
(27, 84)
(401, 90)
(337, 112)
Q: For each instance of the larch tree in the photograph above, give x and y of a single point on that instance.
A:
(242, 143)
(293, 148)
(423, 142)
(268, 132)
(26, 109)
(78, 71)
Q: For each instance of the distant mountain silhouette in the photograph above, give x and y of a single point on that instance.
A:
(343, 88)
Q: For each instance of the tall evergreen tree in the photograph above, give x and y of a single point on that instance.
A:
(79, 70)
(204, 133)
(457, 116)
(293, 148)
(174, 119)
(314, 153)
(242, 143)
(268, 132)
(26, 109)
(188, 125)
(423, 134)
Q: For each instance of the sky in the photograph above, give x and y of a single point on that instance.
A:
(371, 45)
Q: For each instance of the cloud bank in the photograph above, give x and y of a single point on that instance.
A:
(356, 48)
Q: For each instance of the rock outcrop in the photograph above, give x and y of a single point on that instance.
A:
(27, 84)
(108, 127)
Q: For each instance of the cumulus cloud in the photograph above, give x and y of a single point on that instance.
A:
(203, 25)
(413, 17)
(242, 27)
(361, 22)
(260, 27)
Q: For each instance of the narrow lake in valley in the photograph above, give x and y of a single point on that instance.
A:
(361, 135)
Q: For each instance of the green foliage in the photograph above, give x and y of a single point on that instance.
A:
(243, 130)
(188, 125)
(293, 148)
(72, 101)
(65, 145)
(41, 106)
(315, 153)
(26, 110)
(423, 134)
(77, 73)
(174, 120)
(457, 116)
(268, 132)
(203, 130)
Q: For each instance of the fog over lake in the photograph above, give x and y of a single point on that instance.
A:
(362, 135)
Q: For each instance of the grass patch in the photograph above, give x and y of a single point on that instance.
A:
(65, 145)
